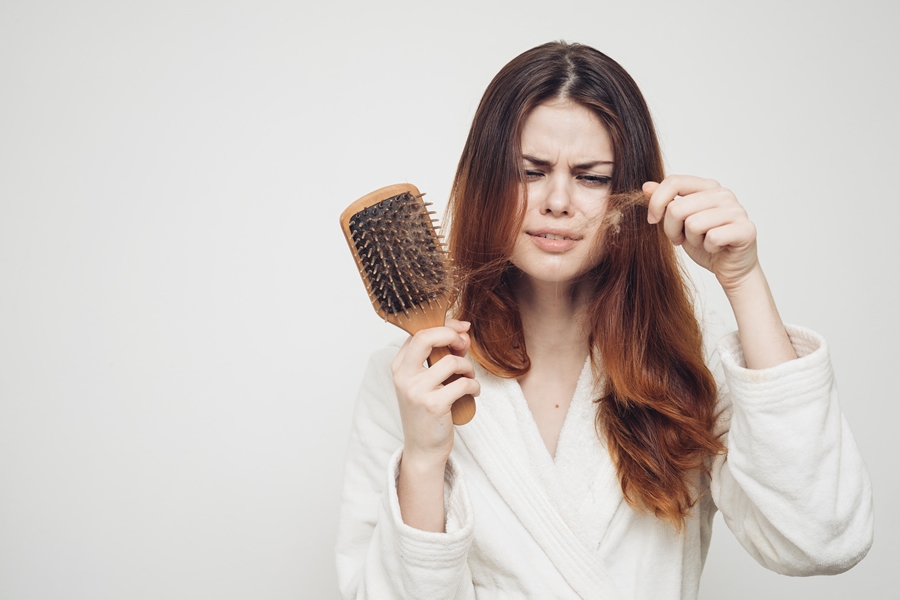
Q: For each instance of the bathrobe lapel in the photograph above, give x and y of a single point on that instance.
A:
(584, 469)
(559, 504)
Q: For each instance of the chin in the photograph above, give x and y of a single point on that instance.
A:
(549, 268)
(551, 274)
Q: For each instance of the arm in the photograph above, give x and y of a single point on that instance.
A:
(424, 404)
(793, 487)
(378, 555)
(707, 221)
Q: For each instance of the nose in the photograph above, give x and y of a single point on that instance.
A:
(558, 199)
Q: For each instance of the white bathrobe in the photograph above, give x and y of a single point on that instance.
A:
(793, 489)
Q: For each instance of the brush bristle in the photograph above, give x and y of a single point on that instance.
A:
(400, 254)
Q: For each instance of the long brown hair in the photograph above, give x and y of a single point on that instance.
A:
(657, 407)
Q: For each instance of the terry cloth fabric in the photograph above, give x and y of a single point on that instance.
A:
(792, 487)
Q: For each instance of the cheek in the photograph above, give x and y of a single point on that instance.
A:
(597, 216)
(599, 250)
(526, 201)
(606, 224)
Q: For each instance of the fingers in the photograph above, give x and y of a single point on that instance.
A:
(454, 388)
(685, 216)
(426, 395)
(442, 370)
(690, 207)
(730, 235)
(690, 218)
(416, 349)
(429, 394)
(707, 220)
(661, 194)
(416, 380)
(462, 327)
(458, 326)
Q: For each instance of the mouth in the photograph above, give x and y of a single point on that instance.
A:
(554, 241)
(551, 236)
(554, 236)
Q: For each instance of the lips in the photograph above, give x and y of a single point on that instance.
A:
(554, 240)
(551, 236)
(554, 234)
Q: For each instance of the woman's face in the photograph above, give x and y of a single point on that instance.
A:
(567, 159)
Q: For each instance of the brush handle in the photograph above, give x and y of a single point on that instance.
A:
(463, 409)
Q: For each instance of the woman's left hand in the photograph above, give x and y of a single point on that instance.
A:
(708, 222)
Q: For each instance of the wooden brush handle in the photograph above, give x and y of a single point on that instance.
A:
(463, 409)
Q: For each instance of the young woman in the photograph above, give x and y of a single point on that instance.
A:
(602, 444)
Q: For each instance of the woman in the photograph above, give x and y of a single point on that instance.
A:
(602, 445)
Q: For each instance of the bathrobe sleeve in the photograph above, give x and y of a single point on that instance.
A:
(378, 556)
(793, 487)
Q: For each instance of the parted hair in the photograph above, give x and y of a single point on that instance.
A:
(656, 408)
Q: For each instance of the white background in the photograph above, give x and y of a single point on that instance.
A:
(182, 329)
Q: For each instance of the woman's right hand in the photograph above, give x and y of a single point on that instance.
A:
(424, 399)
(427, 424)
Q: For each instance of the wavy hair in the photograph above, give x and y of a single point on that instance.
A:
(656, 410)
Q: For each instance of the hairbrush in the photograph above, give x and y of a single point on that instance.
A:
(404, 266)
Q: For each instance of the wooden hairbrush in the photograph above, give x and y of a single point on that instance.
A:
(404, 266)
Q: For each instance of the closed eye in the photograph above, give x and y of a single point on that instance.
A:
(595, 180)
(531, 175)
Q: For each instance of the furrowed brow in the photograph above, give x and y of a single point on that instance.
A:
(536, 161)
(595, 163)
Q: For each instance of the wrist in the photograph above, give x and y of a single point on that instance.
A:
(422, 463)
(764, 341)
(751, 283)
(420, 492)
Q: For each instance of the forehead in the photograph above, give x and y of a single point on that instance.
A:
(563, 126)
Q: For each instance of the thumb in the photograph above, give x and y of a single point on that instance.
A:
(649, 187)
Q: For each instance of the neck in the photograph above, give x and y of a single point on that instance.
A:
(552, 321)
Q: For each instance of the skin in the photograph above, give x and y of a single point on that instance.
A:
(568, 165)
(567, 162)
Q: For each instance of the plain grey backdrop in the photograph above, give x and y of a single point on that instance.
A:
(182, 329)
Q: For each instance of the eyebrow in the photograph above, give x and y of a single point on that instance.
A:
(546, 163)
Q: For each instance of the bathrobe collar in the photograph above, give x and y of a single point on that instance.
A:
(567, 503)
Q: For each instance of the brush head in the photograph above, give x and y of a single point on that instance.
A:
(399, 254)
(404, 266)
